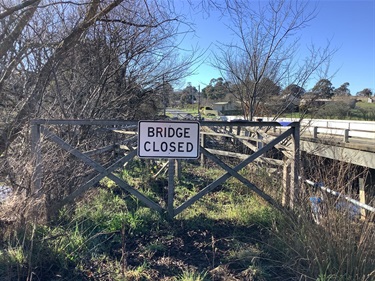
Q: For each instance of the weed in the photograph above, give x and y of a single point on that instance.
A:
(337, 249)
(244, 255)
(14, 255)
(325, 277)
(192, 275)
(138, 273)
(155, 247)
(13, 262)
(108, 182)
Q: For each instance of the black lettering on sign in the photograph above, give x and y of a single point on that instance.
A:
(164, 146)
(167, 139)
(145, 146)
(173, 147)
(159, 132)
(150, 132)
(154, 147)
(180, 146)
(170, 132)
(186, 133)
(189, 147)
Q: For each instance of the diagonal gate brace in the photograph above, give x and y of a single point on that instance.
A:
(120, 162)
(232, 172)
(87, 160)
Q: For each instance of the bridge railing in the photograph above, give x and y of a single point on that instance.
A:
(344, 129)
(345, 134)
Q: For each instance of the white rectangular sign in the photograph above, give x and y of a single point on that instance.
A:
(168, 139)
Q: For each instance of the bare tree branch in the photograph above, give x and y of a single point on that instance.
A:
(9, 40)
(11, 10)
(11, 131)
(137, 25)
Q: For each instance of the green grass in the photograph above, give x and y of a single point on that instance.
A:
(192, 275)
(230, 233)
(365, 105)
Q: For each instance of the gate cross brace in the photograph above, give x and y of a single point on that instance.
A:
(245, 181)
(120, 162)
(103, 171)
(233, 172)
(108, 172)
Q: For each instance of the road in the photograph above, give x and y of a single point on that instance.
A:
(180, 114)
(175, 111)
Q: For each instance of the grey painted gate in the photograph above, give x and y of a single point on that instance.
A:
(291, 165)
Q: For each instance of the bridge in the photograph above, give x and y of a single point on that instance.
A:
(346, 141)
(343, 140)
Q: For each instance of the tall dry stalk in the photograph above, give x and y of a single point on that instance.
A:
(340, 246)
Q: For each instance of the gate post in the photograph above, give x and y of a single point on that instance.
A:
(259, 141)
(295, 165)
(178, 168)
(203, 144)
(171, 187)
(362, 195)
(37, 157)
(286, 183)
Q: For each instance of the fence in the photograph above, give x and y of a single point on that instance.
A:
(290, 193)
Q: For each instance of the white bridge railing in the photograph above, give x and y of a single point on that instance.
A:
(346, 129)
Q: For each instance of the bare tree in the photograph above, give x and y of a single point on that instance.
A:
(52, 61)
(68, 59)
(266, 48)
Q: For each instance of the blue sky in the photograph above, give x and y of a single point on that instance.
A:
(348, 24)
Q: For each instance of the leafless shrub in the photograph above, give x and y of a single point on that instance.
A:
(79, 60)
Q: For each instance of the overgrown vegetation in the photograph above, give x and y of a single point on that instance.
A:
(229, 235)
(363, 111)
(337, 110)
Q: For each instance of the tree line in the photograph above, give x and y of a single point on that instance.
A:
(270, 95)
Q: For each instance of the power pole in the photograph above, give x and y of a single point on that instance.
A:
(164, 99)
(199, 102)
(191, 92)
